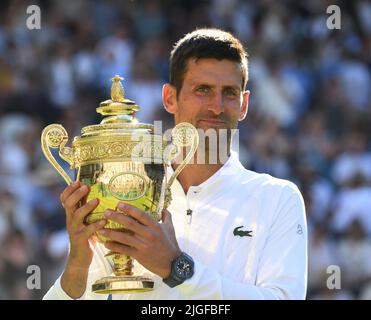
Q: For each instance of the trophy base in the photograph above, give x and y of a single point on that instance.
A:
(123, 284)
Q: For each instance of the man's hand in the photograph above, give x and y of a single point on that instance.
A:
(81, 254)
(151, 243)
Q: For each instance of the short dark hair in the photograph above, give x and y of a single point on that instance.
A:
(203, 44)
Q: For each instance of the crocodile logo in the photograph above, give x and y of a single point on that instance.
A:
(242, 233)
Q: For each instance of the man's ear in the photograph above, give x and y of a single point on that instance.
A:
(169, 98)
(245, 105)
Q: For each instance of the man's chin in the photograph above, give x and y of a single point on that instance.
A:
(208, 128)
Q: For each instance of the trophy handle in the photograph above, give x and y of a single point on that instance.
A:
(184, 134)
(55, 136)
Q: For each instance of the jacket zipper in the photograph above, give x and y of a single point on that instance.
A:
(187, 225)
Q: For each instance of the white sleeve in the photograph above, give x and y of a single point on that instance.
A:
(282, 269)
(99, 268)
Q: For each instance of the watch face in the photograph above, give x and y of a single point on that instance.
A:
(183, 268)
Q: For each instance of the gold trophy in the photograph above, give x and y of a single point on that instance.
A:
(122, 161)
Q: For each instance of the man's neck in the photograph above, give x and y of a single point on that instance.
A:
(195, 174)
(201, 167)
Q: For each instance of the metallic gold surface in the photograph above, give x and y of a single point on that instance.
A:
(55, 136)
(125, 284)
(184, 135)
(136, 183)
(122, 161)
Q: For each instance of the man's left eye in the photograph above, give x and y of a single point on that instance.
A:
(231, 93)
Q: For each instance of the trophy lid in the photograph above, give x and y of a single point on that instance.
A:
(118, 114)
(119, 136)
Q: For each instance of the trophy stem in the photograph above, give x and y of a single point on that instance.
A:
(123, 281)
(122, 264)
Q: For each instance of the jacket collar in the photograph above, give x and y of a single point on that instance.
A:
(230, 168)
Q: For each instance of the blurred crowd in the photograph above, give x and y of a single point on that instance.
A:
(309, 119)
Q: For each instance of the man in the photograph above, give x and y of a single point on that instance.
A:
(240, 234)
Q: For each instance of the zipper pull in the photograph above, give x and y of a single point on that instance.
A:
(189, 214)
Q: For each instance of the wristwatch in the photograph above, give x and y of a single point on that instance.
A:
(182, 268)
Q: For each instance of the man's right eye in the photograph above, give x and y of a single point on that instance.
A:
(202, 89)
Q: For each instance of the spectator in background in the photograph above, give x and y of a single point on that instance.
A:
(354, 255)
(354, 160)
(353, 202)
(323, 254)
(115, 54)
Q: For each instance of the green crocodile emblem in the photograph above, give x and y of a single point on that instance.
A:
(242, 233)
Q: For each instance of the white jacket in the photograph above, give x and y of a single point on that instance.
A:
(269, 264)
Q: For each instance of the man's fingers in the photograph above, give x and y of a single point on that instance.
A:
(137, 214)
(122, 238)
(127, 222)
(168, 223)
(94, 227)
(166, 217)
(80, 214)
(69, 190)
(120, 248)
(71, 202)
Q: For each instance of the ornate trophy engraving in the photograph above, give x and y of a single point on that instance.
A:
(121, 160)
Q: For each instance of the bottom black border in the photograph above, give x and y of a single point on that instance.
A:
(227, 309)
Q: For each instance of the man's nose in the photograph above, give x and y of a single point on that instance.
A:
(216, 104)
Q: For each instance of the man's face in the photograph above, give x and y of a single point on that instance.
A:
(211, 95)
